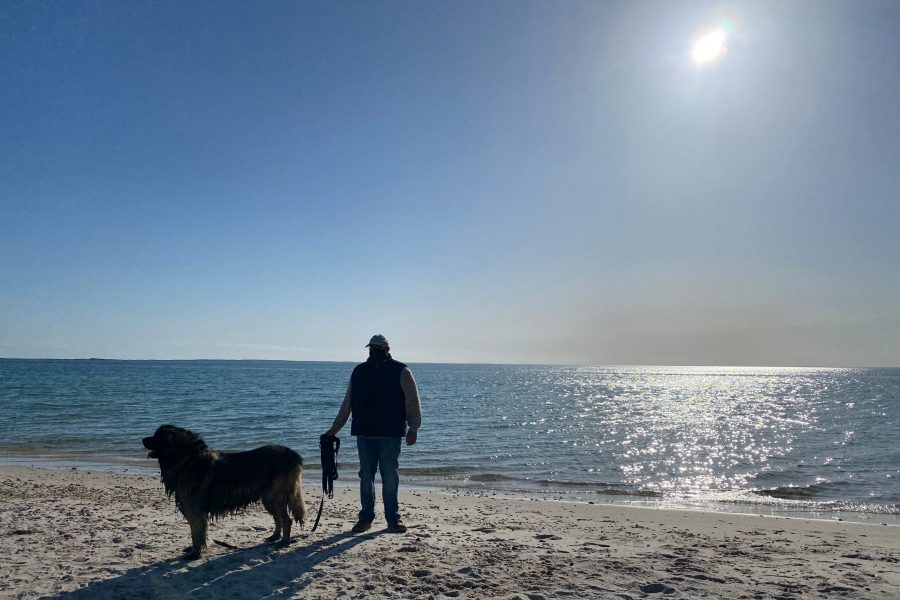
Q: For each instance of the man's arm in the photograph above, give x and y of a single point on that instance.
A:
(343, 414)
(413, 405)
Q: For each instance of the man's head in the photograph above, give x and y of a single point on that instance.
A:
(378, 347)
(378, 341)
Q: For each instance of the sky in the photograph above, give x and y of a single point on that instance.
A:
(525, 182)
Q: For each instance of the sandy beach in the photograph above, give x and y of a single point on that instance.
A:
(80, 534)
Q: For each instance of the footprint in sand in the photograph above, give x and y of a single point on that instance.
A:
(657, 588)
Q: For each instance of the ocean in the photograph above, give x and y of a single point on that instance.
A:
(795, 441)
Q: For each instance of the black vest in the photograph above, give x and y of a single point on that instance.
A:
(377, 401)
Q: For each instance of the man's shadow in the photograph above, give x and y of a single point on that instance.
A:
(247, 573)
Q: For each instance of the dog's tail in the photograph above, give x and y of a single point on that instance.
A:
(295, 499)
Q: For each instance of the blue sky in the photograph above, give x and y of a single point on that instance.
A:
(481, 182)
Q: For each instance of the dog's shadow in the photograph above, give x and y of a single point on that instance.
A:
(248, 573)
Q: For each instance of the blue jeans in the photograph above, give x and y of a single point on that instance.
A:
(378, 454)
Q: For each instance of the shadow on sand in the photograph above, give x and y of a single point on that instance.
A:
(247, 573)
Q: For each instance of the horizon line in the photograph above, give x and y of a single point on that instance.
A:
(658, 365)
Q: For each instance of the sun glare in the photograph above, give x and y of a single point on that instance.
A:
(709, 47)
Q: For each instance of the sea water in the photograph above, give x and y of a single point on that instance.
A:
(775, 440)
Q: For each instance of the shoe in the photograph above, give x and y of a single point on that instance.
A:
(396, 527)
(362, 526)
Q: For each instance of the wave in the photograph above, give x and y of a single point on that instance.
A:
(801, 499)
(805, 492)
(491, 477)
(434, 471)
(562, 483)
(461, 475)
(636, 493)
(606, 489)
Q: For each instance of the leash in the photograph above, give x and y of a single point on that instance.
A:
(328, 448)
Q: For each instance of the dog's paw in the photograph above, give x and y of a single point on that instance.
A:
(192, 555)
(285, 542)
(273, 538)
(188, 549)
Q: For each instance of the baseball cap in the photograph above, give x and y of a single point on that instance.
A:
(378, 340)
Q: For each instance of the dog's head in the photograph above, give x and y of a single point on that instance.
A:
(170, 444)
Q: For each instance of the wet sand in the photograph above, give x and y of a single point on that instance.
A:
(80, 534)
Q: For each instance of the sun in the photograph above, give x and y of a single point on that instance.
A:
(709, 47)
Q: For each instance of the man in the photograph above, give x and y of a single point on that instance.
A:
(383, 399)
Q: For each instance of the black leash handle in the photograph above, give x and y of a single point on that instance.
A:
(328, 449)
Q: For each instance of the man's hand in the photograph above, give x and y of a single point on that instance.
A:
(411, 438)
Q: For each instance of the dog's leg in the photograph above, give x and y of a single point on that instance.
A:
(199, 524)
(286, 523)
(270, 508)
(189, 551)
(276, 535)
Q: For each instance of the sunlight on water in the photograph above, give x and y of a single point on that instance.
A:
(677, 433)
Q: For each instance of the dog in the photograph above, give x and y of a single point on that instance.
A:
(208, 484)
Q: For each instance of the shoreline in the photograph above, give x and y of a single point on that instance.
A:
(83, 534)
(743, 503)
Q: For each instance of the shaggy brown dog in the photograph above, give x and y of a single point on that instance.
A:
(212, 484)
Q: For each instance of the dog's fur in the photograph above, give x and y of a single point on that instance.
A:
(212, 484)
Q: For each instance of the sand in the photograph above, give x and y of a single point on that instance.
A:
(79, 534)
